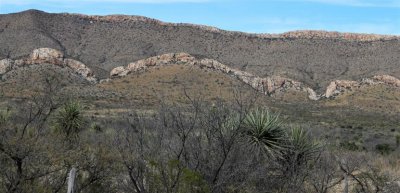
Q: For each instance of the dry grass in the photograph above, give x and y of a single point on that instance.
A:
(376, 98)
(169, 84)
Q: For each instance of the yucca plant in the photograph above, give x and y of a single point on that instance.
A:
(69, 120)
(301, 148)
(264, 132)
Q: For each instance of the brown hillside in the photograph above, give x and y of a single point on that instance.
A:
(312, 57)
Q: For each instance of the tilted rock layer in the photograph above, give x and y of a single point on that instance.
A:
(50, 56)
(102, 43)
(339, 86)
(266, 85)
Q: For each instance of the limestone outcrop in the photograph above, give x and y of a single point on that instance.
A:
(267, 86)
(46, 55)
(81, 69)
(387, 79)
(50, 56)
(6, 65)
(339, 86)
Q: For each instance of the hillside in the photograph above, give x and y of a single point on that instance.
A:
(131, 104)
(118, 63)
(105, 42)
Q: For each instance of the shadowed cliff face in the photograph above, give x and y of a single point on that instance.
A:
(103, 43)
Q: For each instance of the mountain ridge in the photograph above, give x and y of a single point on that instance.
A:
(306, 34)
(316, 59)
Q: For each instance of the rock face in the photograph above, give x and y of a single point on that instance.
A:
(118, 71)
(339, 86)
(46, 55)
(267, 86)
(387, 80)
(80, 69)
(50, 56)
(5, 65)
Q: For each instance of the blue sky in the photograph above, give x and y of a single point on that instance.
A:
(255, 16)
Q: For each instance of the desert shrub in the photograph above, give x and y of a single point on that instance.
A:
(384, 148)
(197, 147)
(350, 145)
(69, 120)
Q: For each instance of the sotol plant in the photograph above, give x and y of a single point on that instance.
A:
(69, 120)
(264, 132)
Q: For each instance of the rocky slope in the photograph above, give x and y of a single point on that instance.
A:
(267, 85)
(339, 86)
(102, 43)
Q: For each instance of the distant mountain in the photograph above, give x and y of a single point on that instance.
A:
(105, 42)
